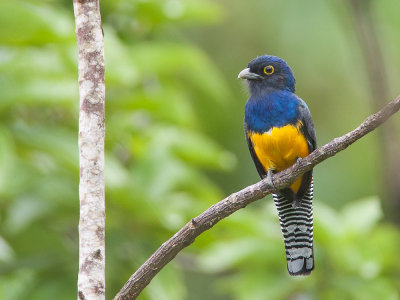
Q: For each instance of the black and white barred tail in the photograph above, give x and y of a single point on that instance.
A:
(297, 229)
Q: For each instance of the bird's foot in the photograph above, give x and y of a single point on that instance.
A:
(269, 178)
(299, 159)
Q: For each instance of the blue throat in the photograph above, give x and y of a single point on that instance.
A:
(274, 108)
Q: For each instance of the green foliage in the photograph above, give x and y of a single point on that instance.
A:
(174, 147)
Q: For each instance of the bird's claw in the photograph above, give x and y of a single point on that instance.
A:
(269, 178)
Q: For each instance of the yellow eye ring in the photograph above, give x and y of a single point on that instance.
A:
(269, 70)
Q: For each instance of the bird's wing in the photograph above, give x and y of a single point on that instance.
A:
(260, 169)
(308, 126)
(308, 130)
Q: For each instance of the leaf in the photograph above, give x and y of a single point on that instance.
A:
(222, 256)
(168, 284)
(360, 216)
(22, 23)
(7, 162)
(6, 252)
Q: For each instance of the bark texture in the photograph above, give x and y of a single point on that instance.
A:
(91, 276)
(185, 236)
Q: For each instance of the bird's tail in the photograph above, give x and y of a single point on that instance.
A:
(297, 228)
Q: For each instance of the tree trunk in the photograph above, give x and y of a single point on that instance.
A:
(91, 276)
(379, 87)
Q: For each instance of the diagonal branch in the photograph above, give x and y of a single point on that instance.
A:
(187, 234)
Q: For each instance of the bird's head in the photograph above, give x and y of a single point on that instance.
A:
(268, 71)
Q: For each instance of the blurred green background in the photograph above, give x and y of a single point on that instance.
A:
(175, 146)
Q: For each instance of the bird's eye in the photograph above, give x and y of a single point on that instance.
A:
(269, 70)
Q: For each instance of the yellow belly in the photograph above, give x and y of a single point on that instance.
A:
(279, 148)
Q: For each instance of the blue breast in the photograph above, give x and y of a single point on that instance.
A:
(273, 109)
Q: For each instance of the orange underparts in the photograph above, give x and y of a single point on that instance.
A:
(279, 148)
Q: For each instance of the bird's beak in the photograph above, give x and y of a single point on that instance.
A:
(246, 74)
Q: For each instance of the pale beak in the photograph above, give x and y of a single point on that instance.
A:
(246, 74)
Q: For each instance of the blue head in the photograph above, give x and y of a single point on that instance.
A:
(268, 71)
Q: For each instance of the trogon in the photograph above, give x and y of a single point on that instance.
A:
(279, 131)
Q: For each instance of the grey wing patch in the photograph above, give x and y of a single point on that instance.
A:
(309, 132)
(308, 126)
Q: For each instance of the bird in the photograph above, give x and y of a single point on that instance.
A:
(279, 131)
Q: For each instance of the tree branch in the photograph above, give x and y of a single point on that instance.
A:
(185, 236)
(91, 276)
